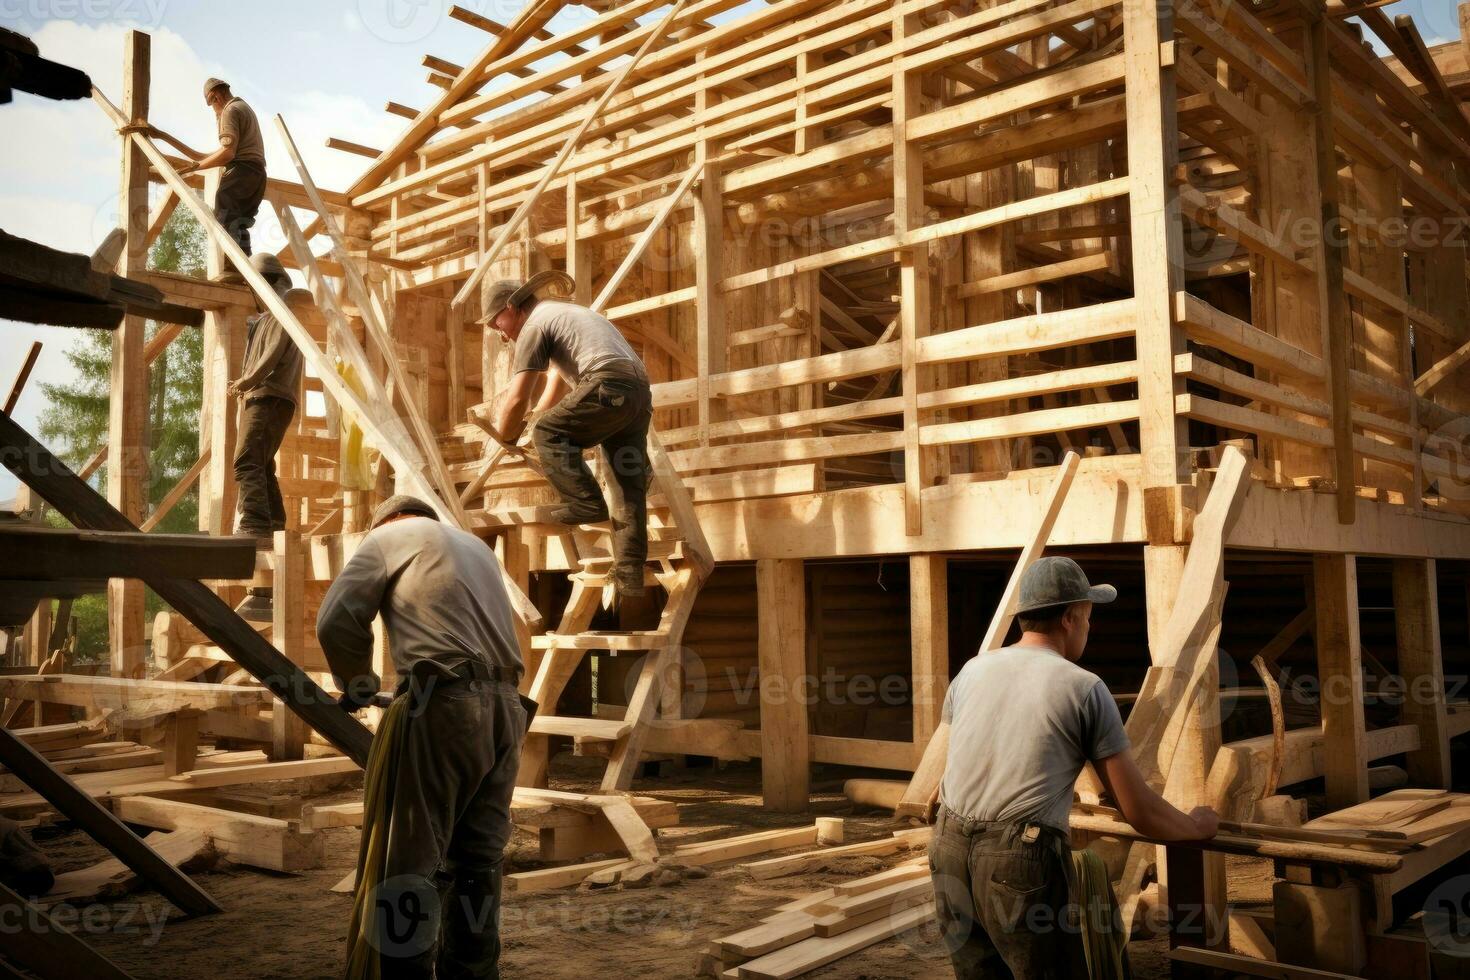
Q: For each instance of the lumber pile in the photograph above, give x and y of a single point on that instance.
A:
(825, 926)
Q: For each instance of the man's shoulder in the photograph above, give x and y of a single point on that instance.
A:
(239, 107)
(1032, 660)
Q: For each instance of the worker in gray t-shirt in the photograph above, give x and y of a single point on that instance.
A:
(1023, 722)
(241, 152)
(595, 394)
(450, 747)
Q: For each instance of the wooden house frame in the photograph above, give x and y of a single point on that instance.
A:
(887, 261)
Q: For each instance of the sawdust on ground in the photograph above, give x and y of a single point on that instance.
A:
(292, 925)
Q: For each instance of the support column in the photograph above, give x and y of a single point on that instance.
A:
(1416, 619)
(915, 302)
(127, 436)
(1157, 238)
(711, 350)
(288, 635)
(1340, 673)
(1199, 742)
(781, 653)
(929, 627)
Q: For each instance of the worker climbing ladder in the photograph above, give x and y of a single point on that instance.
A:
(678, 560)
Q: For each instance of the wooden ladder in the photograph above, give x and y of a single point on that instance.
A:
(678, 560)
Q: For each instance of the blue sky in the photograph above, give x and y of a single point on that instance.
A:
(327, 66)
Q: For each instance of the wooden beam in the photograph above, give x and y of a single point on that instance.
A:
(74, 804)
(42, 947)
(1421, 666)
(509, 229)
(22, 376)
(36, 467)
(530, 19)
(127, 426)
(1340, 675)
(785, 684)
(1337, 322)
(58, 554)
(929, 639)
(1157, 237)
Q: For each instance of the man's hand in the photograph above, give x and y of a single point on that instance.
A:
(1207, 820)
(233, 389)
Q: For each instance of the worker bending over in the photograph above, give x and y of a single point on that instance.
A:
(269, 384)
(609, 405)
(241, 153)
(443, 765)
(1023, 721)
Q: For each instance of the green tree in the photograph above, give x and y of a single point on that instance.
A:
(75, 421)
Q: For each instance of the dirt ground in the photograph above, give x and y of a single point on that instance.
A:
(292, 926)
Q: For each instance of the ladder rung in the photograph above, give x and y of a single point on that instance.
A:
(589, 729)
(636, 640)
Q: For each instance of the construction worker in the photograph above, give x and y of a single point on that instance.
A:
(1023, 721)
(445, 754)
(241, 153)
(268, 386)
(596, 394)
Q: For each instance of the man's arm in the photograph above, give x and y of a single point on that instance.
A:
(219, 158)
(555, 390)
(1148, 812)
(280, 343)
(344, 624)
(510, 418)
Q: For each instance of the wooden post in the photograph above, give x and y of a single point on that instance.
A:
(1199, 742)
(915, 309)
(288, 635)
(1157, 237)
(127, 437)
(1340, 675)
(785, 741)
(1337, 326)
(1416, 619)
(929, 630)
(711, 354)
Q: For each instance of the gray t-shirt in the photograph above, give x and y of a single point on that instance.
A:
(440, 594)
(239, 128)
(1023, 721)
(575, 340)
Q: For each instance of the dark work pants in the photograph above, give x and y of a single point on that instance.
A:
(241, 189)
(1003, 901)
(263, 428)
(438, 908)
(611, 410)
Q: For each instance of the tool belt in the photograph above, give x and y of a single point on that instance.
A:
(426, 672)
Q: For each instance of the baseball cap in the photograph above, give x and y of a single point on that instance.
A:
(402, 504)
(1059, 582)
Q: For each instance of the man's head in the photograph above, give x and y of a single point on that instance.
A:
(1056, 602)
(402, 506)
(509, 302)
(274, 272)
(216, 94)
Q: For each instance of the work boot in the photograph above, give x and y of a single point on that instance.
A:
(573, 516)
(257, 607)
(629, 582)
(230, 277)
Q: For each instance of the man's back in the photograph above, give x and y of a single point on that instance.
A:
(440, 594)
(1023, 720)
(576, 340)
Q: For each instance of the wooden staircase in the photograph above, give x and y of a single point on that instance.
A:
(679, 561)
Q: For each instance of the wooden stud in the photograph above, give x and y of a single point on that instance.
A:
(785, 683)
(1340, 673)
(1421, 667)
